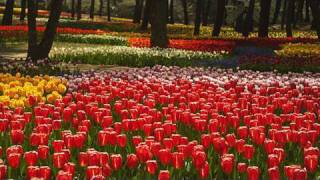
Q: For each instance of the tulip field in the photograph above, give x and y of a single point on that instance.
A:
(160, 123)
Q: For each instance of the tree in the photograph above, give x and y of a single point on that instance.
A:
(8, 13)
(109, 10)
(171, 10)
(138, 11)
(185, 11)
(23, 10)
(73, 11)
(79, 10)
(146, 14)
(315, 10)
(264, 18)
(248, 23)
(307, 15)
(299, 17)
(92, 9)
(219, 17)
(158, 22)
(198, 17)
(284, 14)
(40, 51)
(101, 8)
(276, 12)
(289, 17)
(206, 13)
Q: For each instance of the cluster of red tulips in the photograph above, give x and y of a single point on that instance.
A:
(147, 128)
(62, 30)
(193, 45)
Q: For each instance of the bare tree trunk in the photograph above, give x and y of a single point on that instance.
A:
(8, 13)
(92, 9)
(101, 8)
(23, 10)
(73, 10)
(315, 9)
(138, 11)
(307, 15)
(206, 13)
(171, 14)
(299, 18)
(264, 18)
(276, 12)
(79, 10)
(159, 17)
(248, 26)
(284, 13)
(290, 14)
(109, 10)
(41, 51)
(146, 15)
(219, 18)
(185, 11)
(198, 17)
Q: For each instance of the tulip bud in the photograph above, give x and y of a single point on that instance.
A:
(164, 175)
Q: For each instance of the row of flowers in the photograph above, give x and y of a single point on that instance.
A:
(93, 39)
(41, 13)
(130, 56)
(20, 91)
(168, 123)
(299, 50)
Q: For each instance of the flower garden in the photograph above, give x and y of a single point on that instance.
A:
(227, 107)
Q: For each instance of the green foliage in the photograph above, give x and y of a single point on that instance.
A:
(93, 39)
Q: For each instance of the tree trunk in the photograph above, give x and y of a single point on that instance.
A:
(101, 8)
(299, 18)
(158, 21)
(73, 10)
(198, 17)
(92, 9)
(276, 12)
(109, 10)
(171, 14)
(146, 14)
(248, 26)
(315, 10)
(284, 13)
(138, 11)
(23, 10)
(264, 18)
(185, 11)
(290, 14)
(307, 15)
(206, 13)
(219, 17)
(41, 51)
(8, 13)
(79, 10)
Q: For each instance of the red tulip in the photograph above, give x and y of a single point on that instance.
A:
(199, 159)
(3, 171)
(45, 172)
(204, 171)
(242, 132)
(70, 168)
(159, 134)
(178, 160)
(104, 158)
(242, 167)
(165, 156)
(122, 140)
(106, 170)
(269, 145)
(168, 143)
(248, 151)
(300, 174)
(311, 162)
(116, 161)
(136, 140)
(227, 161)
(62, 175)
(253, 173)
(93, 157)
(17, 136)
(274, 173)
(59, 159)
(43, 152)
(14, 160)
(152, 166)
(164, 175)
(132, 161)
(93, 171)
(83, 159)
(280, 152)
(143, 152)
(231, 139)
(205, 140)
(57, 145)
(273, 160)
(289, 170)
(31, 158)
(33, 172)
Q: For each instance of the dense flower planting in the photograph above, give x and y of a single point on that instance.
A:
(299, 50)
(194, 45)
(93, 39)
(168, 123)
(130, 56)
(19, 91)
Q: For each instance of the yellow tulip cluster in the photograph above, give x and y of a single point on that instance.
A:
(20, 91)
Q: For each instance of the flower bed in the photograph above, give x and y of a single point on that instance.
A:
(193, 45)
(41, 13)
(168, 123)
(299, 50)
(137, 57)
(93, 39)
